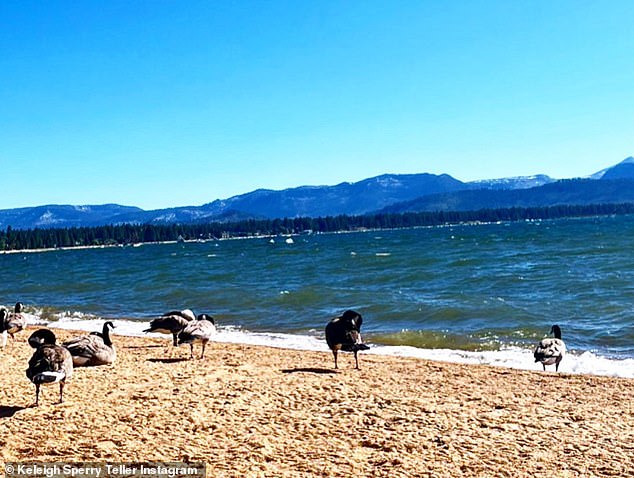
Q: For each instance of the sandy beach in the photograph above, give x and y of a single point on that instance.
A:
(266, 412)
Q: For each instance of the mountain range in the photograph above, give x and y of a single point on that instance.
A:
(386, 193)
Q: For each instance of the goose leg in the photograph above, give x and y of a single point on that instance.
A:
(37, 394)
(61, 392)
(175, 335)
(191, 349)
(202, 353)
(334, 353)
(356, 360)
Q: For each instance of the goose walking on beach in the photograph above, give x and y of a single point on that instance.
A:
(551, 350)
(172, 322)
(49, 364)
(93, 349)
(198, 331)
(344, 333)
(11, 323)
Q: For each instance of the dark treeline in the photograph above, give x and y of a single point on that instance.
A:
(16, 239)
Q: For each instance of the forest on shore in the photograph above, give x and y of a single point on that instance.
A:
(126, 234)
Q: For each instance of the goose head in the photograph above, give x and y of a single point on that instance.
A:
(556, 331)
(352, 319)
(42, 337)
(206, 317)
(18, 308)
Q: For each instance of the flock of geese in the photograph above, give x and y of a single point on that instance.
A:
(53, 363)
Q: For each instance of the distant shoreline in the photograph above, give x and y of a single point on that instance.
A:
(75, 248)
(288, 227)
(123, 246)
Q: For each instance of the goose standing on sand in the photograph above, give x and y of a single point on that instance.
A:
(344, 333)
(200, 330)
(12, 323)
(49, 364)
(172, 323)
(551, 350)
(93, 349)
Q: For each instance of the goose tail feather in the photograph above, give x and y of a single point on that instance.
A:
(48, 377)
(354, 347)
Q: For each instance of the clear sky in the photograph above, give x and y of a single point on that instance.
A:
(172, 103)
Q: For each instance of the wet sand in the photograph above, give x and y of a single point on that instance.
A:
(266, 412)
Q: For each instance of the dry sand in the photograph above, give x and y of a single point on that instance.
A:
(257, 411)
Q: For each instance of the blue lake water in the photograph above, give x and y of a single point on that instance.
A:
(482, 293)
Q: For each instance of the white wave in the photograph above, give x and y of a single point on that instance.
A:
(586, 363)
(33, 319)
(517, 358)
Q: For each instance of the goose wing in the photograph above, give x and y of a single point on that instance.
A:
(186, 314)
(90, 350)
(336, 333)
(15, 323)
(168, 324)
(197, 331)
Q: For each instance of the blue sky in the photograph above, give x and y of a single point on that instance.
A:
(172, 103)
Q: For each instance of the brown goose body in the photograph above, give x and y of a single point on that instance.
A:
(49, 364)
(198, 331)
(12, 322)
(93, 349)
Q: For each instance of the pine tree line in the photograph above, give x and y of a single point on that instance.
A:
(124, 234)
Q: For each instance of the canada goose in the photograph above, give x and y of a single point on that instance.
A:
(551, 350)
(93, 349)
(4, 314)
(200, 330)
(14, 322)
(344, 333)
(172, 323)
(49, 364)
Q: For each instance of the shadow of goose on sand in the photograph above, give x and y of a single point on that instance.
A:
(7, 411)
(169, 360)
(309, 370)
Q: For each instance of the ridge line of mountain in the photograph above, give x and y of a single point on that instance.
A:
(385, 193)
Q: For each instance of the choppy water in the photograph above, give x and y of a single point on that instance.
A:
(473, 293)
